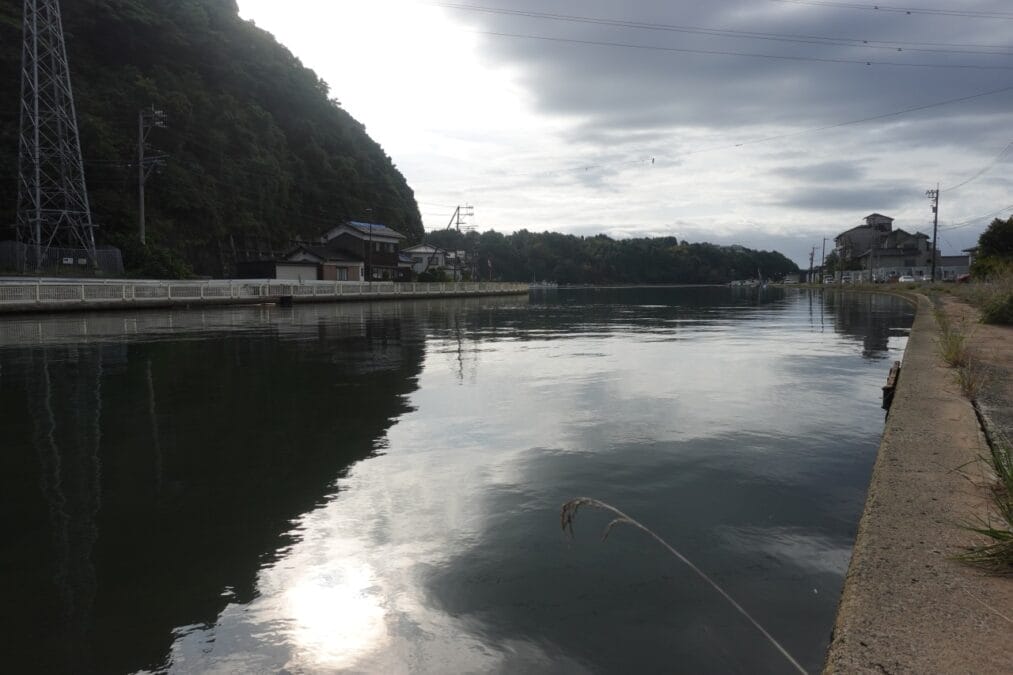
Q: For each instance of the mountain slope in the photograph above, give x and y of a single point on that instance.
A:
(257, 152)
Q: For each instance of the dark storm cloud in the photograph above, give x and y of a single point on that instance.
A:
(824, 172)
(622, 88)
(847, 199)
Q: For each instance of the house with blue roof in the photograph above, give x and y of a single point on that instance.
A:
(374, 244)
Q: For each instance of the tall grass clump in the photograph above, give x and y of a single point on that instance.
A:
(997, 554)
(971, 377)
(993, 296)
(952, 341)
(568, 514)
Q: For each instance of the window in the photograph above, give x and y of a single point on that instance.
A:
(376, 246)
(343, 274)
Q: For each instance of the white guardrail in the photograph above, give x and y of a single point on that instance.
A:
(106, 292)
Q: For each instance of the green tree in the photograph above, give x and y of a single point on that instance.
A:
(995, 249)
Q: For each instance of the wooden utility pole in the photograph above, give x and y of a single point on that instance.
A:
(934, 196)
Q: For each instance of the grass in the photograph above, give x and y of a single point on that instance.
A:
(971, 377)
(993, 296)
(997, 554)
(953, 349)
(568, 514)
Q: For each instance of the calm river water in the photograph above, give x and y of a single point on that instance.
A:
(376, 487)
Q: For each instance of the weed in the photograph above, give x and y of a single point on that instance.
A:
(971, 377)
(569, 512)
(952, 341)
(997, 554)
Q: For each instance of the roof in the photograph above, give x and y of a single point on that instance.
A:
(274, 261)
(324, 253)
(857, 227)
(402, 257)
(428, 248)
(878, 215)
(375, 229)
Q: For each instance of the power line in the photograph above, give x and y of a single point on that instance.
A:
(982, 172)
(903, 10)
(737, 34)
(718, 52)
(767, 139)
(972, 221)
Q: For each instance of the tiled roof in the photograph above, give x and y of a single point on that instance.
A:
(375, 229)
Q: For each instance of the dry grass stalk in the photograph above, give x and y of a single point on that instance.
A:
(971, 377)
(997, 555)
(569, 511)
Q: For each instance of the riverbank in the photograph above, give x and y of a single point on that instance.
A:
(907, 605)
(91, 295)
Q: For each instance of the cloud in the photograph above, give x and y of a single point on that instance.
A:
(850, 199)
(734, 121)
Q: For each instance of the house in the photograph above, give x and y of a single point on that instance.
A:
(277, 269)
(950, 267)
(374, 244)
(881, 252)
(334, 264)
(404, 266)
(426, 257)
(852, 243)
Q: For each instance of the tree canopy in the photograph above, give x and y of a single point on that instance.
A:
(568, 259)
(995, 249)
(257, 151)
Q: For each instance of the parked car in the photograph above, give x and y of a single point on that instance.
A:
(906, 278)
(963, 278)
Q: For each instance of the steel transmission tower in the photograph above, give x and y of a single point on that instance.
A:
(53, 209)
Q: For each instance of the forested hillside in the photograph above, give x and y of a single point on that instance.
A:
(257, 151)
(568, 259)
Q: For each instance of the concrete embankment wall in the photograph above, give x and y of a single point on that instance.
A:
(907, 605)
(91, 296)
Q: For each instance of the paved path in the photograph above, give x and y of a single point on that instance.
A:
(907, 606)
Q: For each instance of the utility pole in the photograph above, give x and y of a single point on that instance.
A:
(934, 196)
(53, 208)
(812, 254)
(456, 220)
(147, 120)
(823, 261)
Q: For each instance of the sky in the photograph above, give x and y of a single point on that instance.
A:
(767, 123)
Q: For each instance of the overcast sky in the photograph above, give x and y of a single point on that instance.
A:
(732, 121)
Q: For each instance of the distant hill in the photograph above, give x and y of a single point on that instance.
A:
(257, 151)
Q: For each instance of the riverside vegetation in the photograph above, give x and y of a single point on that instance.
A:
(997, 554)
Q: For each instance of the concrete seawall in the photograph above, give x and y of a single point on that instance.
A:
(907, 605)
(76, 296)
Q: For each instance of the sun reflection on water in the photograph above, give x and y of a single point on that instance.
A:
(336, 615)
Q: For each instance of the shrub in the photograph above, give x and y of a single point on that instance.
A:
(998, 309)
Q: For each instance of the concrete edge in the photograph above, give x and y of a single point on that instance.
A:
(185, 303)
(907, 606)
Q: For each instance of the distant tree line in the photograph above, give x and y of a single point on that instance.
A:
(569, 259)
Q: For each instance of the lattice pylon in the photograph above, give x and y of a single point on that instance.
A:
(53, 208)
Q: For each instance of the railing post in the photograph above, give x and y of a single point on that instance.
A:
(82, 292)
(38, 291)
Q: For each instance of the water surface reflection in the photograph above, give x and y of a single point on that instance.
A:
(375, 487)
